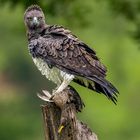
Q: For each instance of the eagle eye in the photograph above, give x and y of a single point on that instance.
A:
(40, 18)
(29, 18)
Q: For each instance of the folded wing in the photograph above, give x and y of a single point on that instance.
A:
(58, 47)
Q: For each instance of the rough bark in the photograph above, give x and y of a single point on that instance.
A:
(60, 122)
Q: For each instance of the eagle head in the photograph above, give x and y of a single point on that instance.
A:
(34, 18)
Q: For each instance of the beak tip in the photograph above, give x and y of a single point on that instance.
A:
(35, 21)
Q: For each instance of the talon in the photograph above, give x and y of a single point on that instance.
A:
(44, 98)
(51, 98)
(47, 93)
(60, 129)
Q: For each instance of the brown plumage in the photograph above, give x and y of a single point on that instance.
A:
(59, 48)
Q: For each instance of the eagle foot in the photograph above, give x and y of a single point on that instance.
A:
(46, 96)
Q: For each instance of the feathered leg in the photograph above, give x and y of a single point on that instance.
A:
(66, 81)
(67, 78)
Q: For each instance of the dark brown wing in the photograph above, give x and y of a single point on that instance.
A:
(69, 52)
(59, 48)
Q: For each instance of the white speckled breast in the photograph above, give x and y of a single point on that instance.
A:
(53, 74)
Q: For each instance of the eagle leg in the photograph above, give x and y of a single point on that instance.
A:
(66, 81)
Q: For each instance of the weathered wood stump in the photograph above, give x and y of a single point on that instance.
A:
(60, 121)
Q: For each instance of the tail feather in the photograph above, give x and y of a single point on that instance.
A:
(105, 87)
(99, 85)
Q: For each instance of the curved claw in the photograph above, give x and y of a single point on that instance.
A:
(44, 98)
(46, 93)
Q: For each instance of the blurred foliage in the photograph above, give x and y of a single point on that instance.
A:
(101, 26)
(130, 9)
(61, 8)
(75, 10)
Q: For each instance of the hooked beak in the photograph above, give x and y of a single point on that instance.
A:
(35, 21)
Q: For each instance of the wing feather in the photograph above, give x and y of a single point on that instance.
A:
(58, 47)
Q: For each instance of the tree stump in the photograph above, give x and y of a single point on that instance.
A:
(60, 121)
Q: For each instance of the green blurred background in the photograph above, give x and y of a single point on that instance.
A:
(111, 27)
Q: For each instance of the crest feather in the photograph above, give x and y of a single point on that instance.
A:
(33, 7)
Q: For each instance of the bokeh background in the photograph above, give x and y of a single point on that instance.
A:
(111, 27)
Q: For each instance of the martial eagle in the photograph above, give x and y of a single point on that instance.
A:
(62, 57)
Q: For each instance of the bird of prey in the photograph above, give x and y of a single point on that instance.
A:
(62, 57)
